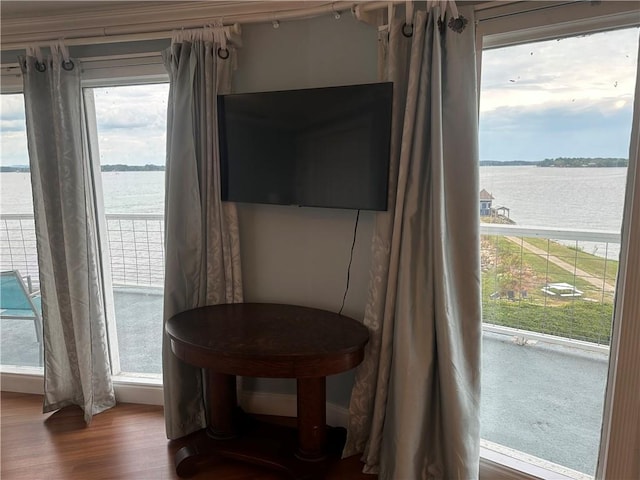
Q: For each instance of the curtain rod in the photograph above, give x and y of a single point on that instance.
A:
(164, 29)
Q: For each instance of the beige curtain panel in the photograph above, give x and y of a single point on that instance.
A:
(76, 354)
(202, 241)
(415, 405)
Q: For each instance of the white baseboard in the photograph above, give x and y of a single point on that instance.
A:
(145, 391)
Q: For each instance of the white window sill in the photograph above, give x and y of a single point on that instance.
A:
(498, 462)
(132, 388)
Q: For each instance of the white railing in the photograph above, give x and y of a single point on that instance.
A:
(518, 265)
(546, 232)
(136, 247)
(18, 245)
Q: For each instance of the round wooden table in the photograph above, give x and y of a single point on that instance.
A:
(273, 341)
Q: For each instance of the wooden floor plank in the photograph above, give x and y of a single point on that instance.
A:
(125, 442)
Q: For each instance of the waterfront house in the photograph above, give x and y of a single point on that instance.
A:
(485, 203)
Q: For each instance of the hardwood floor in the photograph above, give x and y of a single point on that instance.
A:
(126, 442)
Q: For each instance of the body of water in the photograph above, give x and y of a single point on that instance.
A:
(123, 192)
(583, 198)
(135, 245)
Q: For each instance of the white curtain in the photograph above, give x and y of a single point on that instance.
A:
(76, 356)
(202, 241)
(414, 409)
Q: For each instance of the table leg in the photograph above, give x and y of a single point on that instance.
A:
(221, 404)
(312, 419)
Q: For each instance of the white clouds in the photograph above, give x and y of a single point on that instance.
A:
(12, 106)
(13, 148)
(620, 104)
(137, 106)
(132, 124)
(132, 150)
(570, 97)
(13, 135)
(598, 69)
(7, 125)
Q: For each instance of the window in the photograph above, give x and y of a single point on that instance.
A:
(551, 113)
(131, 134)
(127, 121)
(21, 345)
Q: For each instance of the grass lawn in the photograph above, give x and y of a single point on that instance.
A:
(592, 264)
(518, 269)
(577, 319)
(508, 267)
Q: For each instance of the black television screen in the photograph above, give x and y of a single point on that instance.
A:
(318, 147)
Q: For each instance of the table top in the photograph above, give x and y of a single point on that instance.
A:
(267, 340)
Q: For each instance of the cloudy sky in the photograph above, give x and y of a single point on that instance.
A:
(131, 122)
(570, 97)
(559, 98)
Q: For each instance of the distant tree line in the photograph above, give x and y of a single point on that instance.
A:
(565, 162)
(510, 163)
(132, 168)
(105, 168)
(19, 168)
(562, 162)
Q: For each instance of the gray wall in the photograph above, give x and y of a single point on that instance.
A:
(300, 255)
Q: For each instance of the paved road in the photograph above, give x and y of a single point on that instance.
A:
(587, 277)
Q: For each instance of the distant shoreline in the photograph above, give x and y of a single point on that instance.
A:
(103, 168)
(562, 162)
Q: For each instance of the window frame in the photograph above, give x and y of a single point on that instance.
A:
(133, 76)
(97, 72)
(501, 25)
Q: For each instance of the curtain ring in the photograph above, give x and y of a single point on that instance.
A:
(223, 53)
(41, 66)
(458, 24)
(68, 65)
(336, 14)
(407, 30)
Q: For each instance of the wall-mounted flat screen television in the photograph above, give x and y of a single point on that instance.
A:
(318, 147)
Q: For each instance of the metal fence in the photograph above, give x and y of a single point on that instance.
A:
(136, 248)
(18, 245)
(549, 284)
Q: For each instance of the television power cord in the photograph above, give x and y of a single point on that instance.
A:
(353, 244)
